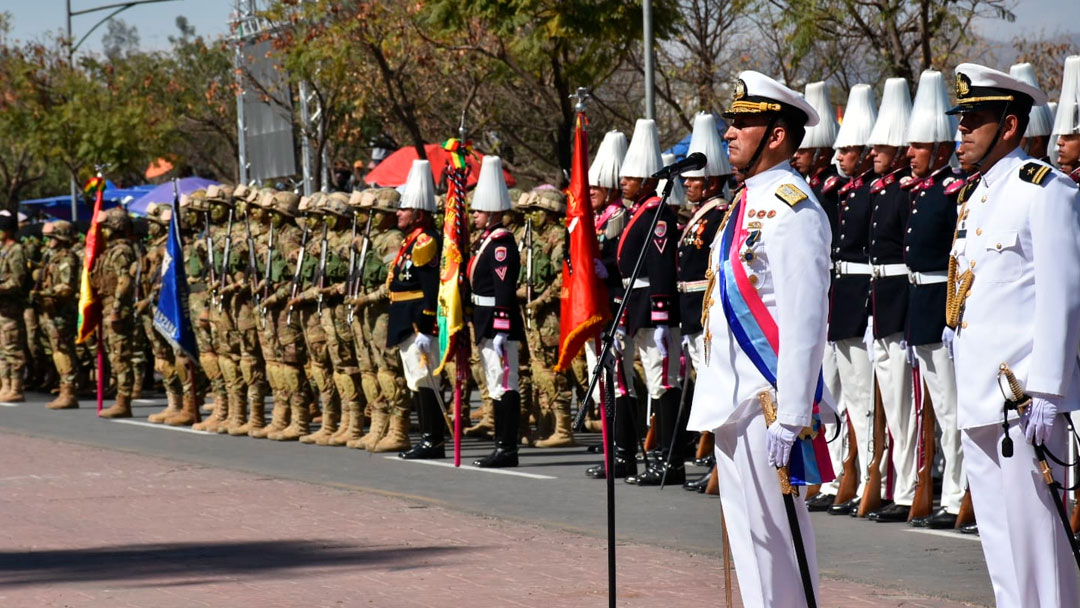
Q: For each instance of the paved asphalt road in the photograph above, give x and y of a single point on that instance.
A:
(549, 490)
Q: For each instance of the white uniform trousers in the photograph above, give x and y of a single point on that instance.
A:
(500, 373)
(661, 371)
(624, 381)
(695, 350)
(857, 401)
(756, 519)
(936, 370)
(1026, 550)
(837, 446)
(895, 381)
(420, 364)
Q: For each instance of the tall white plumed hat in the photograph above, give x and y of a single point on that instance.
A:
(604, 170)
(929, 124)
(890, 128)
(419, 192)
(491, 193)
(678, 191)
(643, 156)
(1067, 117)
(859, 117)
(1040, 121)
(823, 134)
(706, 139)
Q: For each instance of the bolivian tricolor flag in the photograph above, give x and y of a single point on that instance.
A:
(89, 305)
(455, 251)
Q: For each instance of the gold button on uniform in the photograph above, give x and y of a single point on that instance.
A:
(973, 263)
(998, 246)
(753, 279)
(984, 198)
(963, 325)
(978, 231)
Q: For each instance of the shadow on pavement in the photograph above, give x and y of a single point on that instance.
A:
(262, 559)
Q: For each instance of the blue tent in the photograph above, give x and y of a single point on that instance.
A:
(164, 193)
(59, 207)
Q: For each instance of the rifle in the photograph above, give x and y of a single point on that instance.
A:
(225, 261)
(871, 498)
(252, 272)
(210, 257)
(266, 278)
(320, 272)
(296, 273)
(528, 271)
(923, 503)
(356, 273)
(849, 481)
(138, 270)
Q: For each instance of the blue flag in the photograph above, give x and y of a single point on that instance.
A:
(171, 317)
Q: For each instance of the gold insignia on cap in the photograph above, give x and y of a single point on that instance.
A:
(790, 194)
(963, 85)
(740, 89)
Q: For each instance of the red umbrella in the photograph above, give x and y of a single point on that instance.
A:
(394, 169)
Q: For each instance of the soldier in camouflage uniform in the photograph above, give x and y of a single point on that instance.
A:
(55, 298)
(383, 378)
(194, 208)
(37, 344)
(112, 282)
(12, 325)
(546, 207)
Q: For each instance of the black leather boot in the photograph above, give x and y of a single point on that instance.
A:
(432, 444)
(624, 467)
(507, 418)
(698, 485)
(625, 443)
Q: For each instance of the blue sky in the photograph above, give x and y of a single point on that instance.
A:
(155, 22)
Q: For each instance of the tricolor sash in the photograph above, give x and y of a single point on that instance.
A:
(757, 334)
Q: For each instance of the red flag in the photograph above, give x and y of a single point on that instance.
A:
(89, 304)
(585, 306)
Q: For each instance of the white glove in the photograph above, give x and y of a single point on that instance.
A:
(868, 339)
(909, 352)
(599, 269)
(423, 341)
(1038, 418)
(619, 342)
(778, 440)
(499, 343)
(661, 334)
(947, 335)
(685, 343)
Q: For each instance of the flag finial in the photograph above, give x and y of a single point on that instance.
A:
(580, 97)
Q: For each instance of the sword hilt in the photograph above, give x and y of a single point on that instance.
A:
(768, 408)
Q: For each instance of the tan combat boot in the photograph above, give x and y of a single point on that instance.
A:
(379, 419)
(396, 438)
(121, 409)
(352, 430)
(188, 414)
(15, 391)
(486, 426)
(563, 436)
(172, 406)
(5, 388)
(66, 400)
(216, 418)
(330, 419)
(300, 425)
(279, 419)
(238, 414)
(256, 419)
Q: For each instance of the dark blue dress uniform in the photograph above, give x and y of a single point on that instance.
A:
(693, 256)
(413, 282)
(888, 226)
(493, 276)
(926, 250)
(609, 226)
(826, 184)
(849, 302)
(657, 303)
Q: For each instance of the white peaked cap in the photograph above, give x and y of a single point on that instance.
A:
(678, 192)
(929, 124)
(1041, 121)
(823, 134)
(890, 128)
(491, 193)
(419, 192)
(643, 156)
(706, 139)
(859, 117)
(1067, 117)
(604, 170)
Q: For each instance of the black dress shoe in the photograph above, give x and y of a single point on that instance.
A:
(970, 528)
(845, 508)
(425, 450)
(884, 503)
(707, 461)
(698, 485)
(676, 474)
(821, 502)
(890, 514)
(938, 520)
(623, 467)
(498, 459)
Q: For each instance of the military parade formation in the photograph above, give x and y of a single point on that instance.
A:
(855, 304)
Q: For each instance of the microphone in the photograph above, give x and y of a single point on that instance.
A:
(696, 160)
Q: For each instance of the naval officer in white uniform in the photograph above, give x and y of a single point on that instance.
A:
(781, 245)
(1014, 298)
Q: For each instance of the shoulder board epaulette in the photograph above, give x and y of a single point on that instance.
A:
(1034, 173)
(790, 194)
(424, 250)
(1075, 176)
(968, 188)
(831, 184)
(908, 181)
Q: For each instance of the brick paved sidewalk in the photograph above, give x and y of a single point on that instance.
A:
(82, 526)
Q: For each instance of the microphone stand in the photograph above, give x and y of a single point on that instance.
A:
(605, 364)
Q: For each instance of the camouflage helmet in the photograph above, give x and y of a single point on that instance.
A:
(336, 203)
(197, 201)
(264, 198)
(386, 199)
(286, 203)
(220, 193)
(242, 192)
(548, 199)
(357, 198)
(115, 218)
(515, 194)
(314, 203)
(61, 230)
(159, 213)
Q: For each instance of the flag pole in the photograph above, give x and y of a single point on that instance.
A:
(100, 370)
(462, 360)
